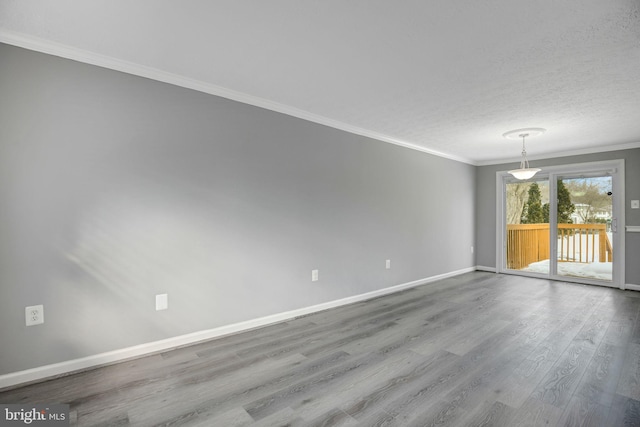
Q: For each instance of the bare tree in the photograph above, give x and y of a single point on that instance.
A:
(590, 196)
(516, 198)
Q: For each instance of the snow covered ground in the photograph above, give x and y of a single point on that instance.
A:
(584, 248)
(593, 270)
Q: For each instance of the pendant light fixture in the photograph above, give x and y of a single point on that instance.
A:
(524, 172)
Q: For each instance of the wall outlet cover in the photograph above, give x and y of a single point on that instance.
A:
(635, 204)
(34, 315)
(314, 275)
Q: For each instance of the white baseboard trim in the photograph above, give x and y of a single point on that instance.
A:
(70, 366)
(631, 287)
(484, 268)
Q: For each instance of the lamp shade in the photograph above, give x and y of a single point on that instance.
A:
(524, 173)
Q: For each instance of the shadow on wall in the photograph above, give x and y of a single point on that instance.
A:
(129, 246)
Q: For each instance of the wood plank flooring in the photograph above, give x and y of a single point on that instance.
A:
(479, 349)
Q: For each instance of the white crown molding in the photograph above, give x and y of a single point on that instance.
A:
(68, 52)
(603, 149)
(76, 365)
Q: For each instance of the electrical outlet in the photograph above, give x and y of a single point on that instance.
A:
(635, 204)
(388, 264)
(162, 302)
(34, 315)
(471, 249)
(314, 275)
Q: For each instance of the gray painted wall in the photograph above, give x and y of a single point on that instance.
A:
(114, 188)
(486, 206)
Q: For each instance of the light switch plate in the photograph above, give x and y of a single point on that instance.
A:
(635, 204)
(162, 302)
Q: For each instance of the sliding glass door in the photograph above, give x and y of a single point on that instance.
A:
(527, 227)
(563, 224)
(585, 222)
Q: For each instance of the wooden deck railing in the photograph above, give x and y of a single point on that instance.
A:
(526, 243)
(577, 243)
(529, 243)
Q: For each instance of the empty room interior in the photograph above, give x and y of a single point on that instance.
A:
(301, 213)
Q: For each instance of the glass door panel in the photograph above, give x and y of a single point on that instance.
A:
(527, 226)
(564, 224)
(584, 244)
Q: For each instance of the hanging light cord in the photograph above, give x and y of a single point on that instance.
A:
(524, 163)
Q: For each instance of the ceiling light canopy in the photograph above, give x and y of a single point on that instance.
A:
(517, 134)
(524, 172)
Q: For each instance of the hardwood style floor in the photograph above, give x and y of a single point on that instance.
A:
(479, 349)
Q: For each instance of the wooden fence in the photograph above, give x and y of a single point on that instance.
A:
(528, 243)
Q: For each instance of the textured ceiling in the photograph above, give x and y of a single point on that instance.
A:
(448, 77)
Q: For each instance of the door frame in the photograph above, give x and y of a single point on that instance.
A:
(615, 168)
